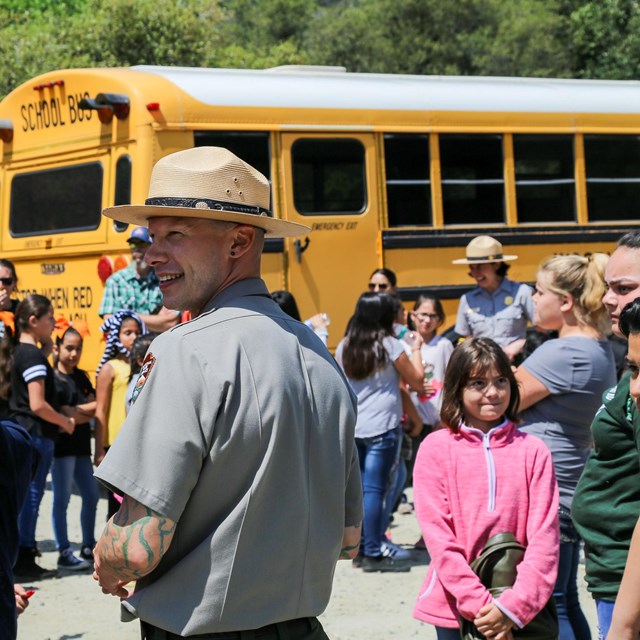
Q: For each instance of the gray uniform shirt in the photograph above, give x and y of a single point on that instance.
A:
(576, 371)
(502, 315)
(244, 434)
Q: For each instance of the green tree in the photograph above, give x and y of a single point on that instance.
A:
(522, 38)
(605, 39)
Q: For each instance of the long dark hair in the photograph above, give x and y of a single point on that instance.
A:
(474, 357)
(33, 305)
(363, 352)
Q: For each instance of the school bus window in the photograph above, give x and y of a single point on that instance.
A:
(612, 166)
(472, 178)
(545, 182)
(328, 176)
(123, 188)
(406, 158)
(56, 200)
(251, 146)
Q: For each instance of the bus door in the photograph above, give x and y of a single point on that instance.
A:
(330, 185)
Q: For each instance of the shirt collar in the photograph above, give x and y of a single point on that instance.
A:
(499, 434)
(247, 287)
(504, 287)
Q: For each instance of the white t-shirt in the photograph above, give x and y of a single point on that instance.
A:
(435, 357)
(379, 402)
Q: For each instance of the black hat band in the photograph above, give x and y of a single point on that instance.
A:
(206, 204)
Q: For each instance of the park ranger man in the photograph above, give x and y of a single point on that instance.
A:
(237, 461)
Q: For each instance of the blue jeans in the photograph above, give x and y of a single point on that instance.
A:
(63, 473)
(572, 623)
(604, 611)
(29, 512)
(397, 479)
(376, 455)
(444, 633)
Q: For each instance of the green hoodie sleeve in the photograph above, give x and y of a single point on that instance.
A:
(606, 505)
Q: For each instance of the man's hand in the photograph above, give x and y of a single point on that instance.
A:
(131, 546)
(493, 623)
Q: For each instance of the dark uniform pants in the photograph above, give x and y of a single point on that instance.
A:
(300, 629)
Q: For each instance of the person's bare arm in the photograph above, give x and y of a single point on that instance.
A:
(409, 409)
(161, 321)
(625, 623)
(157, 322)
(131, 546)
(514, 348)
(39, 405)
(84, 412)
(412, 370)
(350, 542)
(104, 386)
(531, 389)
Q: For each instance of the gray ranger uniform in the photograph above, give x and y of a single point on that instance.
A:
(242, 432)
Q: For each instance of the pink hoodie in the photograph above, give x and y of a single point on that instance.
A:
(469, 486)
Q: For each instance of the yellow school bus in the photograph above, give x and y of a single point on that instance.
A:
(387, 170)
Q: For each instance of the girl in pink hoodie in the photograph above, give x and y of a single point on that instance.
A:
(477, 478)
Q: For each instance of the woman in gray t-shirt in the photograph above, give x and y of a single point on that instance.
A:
(374, 362)
(562, 383)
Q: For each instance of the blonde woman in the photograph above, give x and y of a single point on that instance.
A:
(561, 385)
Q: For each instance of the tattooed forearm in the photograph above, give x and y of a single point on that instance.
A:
(347, 552)
(350, 541)
(134, 541)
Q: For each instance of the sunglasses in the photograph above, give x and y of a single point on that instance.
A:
(382, 287)
(133, 244)
(6, 281)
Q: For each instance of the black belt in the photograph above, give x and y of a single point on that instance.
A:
(276, 631)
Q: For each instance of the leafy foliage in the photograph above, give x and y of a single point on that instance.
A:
(544, 38)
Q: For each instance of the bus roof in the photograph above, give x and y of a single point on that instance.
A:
(297, 87)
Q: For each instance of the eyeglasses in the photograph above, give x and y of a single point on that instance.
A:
(427, 316)
(135, 244)
(6, 281)
(382, 287)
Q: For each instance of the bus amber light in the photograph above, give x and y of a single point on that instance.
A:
(6, 130)
(107, 105)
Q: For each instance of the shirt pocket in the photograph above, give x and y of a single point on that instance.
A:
(510, 322)
(479, 325)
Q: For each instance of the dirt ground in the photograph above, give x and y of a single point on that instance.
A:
(372, 606)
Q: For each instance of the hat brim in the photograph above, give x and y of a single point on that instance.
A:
(483, 260)
(140, 215)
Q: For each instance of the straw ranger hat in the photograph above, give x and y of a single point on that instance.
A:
(484, 249)
(210, 183)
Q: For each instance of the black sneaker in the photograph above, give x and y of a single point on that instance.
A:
(86, 553)
(26, 568)
(68, 562)
(356, 563)
(384, 564)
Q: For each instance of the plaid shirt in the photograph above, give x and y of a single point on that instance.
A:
(126, 290)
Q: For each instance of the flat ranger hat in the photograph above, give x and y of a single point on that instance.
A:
(484, 249)
(210, 183)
